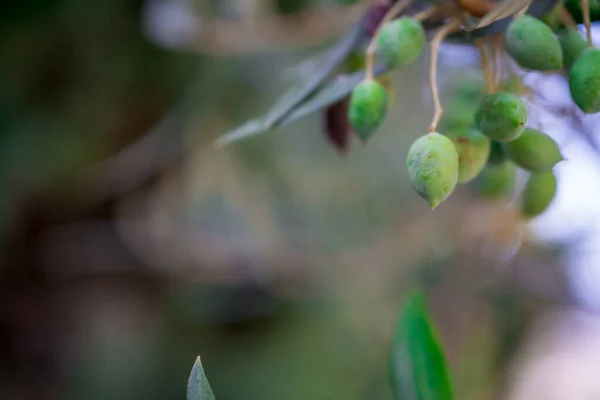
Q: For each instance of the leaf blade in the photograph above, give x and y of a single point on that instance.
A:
(334, 58)
(198, 387)
(329, 94)
(418, 366)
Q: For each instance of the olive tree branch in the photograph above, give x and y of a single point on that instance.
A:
(439, 36)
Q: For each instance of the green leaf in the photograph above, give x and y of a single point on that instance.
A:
(198, 386)
(418, 367)
(297, 94)
(337, 89)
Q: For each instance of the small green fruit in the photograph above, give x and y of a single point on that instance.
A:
(533, 44)
(368, 106)
(514, 85)
(584, 81)
(497, 181)
(497, 153)
(433, 167)
(538, 194)
(469, 90)
(501, 116)
(573, 44)
(400, 42)
(458, 115)
(473, 150)
(534, 151)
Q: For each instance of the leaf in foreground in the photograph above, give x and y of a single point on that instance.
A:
(336, 90)
(198, 386)
(418, 366)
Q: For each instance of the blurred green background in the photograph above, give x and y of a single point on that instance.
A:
(130, 245)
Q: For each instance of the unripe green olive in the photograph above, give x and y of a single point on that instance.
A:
(584, 81)
(573, 44)
(400, 42)
(473, 150)
(368, 107)
(469, 90)
(458, 115)
(538, 194)
(497, 181)
(497, 153)
(514, 85)
(433, 167)
(501, 116)
(533, 44)
(534, 151)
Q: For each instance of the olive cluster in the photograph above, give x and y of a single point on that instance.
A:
(485, 137)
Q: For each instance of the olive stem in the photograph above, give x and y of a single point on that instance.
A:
(566, 18)
(585, 8)
(372, 49)
(497, 42)
(426, 13)
(485, 65)
(452, 26)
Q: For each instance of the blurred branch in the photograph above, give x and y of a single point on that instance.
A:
(172, 25)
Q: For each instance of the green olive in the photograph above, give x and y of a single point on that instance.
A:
(458, 115)
(433, 167)
(400, 42)
(368, 107)
(534, 151)
(501, 116)
(538, 194)
(497, 181)
(584, 81)
(497, 153)
(473, 150)
(573, 44)
(533, 44)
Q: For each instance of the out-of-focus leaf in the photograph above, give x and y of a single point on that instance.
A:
(198, 386)
(301, 91)
(537, 9)
(333, 92)
(418, 366)
(503, 10)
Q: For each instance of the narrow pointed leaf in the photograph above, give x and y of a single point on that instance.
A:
(418, 366)
(336, 90)
(297, 94)
(198, 386)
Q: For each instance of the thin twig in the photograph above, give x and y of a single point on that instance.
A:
(485, 65)
(585, 7)
(497, 42)
(372, 49)
(566, 18)
(439, 36)
(426, 13)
